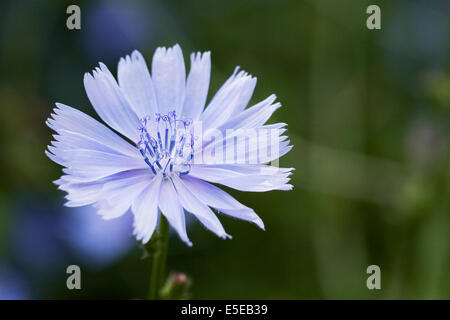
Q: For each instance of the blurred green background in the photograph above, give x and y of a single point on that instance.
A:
(368, 115)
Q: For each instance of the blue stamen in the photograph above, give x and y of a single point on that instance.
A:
(174, 155)
(166, 138)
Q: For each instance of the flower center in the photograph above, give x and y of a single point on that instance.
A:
(166, 144)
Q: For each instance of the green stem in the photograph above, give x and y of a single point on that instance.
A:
(159, 259)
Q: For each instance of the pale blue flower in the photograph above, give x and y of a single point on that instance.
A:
(97, 242)
(12, 285)
(172, 149)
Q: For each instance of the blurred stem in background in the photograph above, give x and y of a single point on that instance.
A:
(158, 249)
(336, 236)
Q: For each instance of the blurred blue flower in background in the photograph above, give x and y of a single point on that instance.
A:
(47, 239)
(34, 240)
(116, 27)
(12, 286)
(96, 241)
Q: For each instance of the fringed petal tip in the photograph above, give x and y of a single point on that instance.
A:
(200, 55)
(144, 239)
(129, 58)
(225, 236)
(136, 55)
(287, 187)
(58, 182)
(258, 221)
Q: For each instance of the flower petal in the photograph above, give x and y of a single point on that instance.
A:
(200, 210)
(220, 200)
(81, 194)
(169, 79)
(197, 85)
(118, 195)
(172, 210)
(145, 210)
(136, 83)
(254, 116)
(230, 99)
(244, 177)
(91, 165)
(72, 123)
(110, 103)
(243, 146)
(84, 193)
